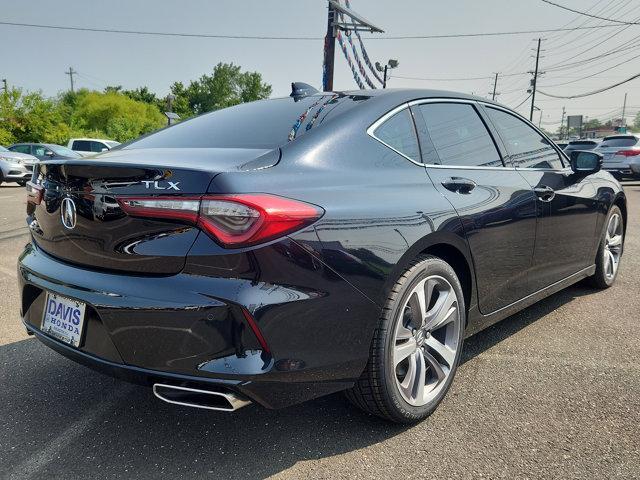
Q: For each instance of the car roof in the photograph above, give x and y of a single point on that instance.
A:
(623, 135)
(94, 139)
(408, 94)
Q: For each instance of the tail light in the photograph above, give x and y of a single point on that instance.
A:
(34, 193)
(628, 153)
(234, 221)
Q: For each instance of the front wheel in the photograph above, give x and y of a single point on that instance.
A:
(610, 250)
(417, 345)
(22, 183)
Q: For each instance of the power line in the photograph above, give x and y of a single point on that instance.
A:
(523, 102)
(593, 74)
(452, 79)
(554, 38)
(589, 15)
(594, 92)
(267, 37)
(441, 79)
(613, 5)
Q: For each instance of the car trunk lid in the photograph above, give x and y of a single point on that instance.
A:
(80, 219)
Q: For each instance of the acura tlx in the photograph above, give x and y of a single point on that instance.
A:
(281, 250)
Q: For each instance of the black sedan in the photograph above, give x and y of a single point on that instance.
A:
(285, 249)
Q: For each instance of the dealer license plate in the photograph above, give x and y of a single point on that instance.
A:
(63, 318)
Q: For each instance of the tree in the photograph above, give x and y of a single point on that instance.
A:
(143, 94)
(116, 115)
(636, 122)
(31, 117)
(592, 124)
(227, 86)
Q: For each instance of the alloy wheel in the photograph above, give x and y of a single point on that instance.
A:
(426, 340)
(612, 246)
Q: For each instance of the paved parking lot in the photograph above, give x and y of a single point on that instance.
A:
(552, 392)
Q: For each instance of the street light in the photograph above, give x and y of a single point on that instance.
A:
(540, 110)
(390, 64)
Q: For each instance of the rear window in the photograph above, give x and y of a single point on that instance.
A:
(82, 145)
(263, 124)
(586, 142)
(619, 142)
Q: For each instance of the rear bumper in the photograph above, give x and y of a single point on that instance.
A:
(189, 330)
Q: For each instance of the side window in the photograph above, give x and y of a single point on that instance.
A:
(38, 150)
(81, 145)
(98, 146)
(21, 149)
(399, 133)
(527, 148)
(454, 134)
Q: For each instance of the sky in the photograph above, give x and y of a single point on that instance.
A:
(36, 59)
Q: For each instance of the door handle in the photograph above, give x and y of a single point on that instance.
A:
(544, 193)
(459, 185)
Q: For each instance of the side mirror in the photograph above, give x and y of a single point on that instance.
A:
(104, 150)
(49, 153)
(585, 162)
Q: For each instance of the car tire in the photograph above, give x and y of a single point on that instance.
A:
(22, 183)
(610, 250)
(385, 387)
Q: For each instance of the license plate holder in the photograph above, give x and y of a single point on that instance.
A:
(63, 318)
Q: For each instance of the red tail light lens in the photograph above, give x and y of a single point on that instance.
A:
(628, 153)
(34, 193)
(249, 219)
(232, 220)
(185, 209)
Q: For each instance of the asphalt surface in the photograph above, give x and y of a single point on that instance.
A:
(552, 392)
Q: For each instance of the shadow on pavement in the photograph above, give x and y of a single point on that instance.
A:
(63, 419)
(489, 337)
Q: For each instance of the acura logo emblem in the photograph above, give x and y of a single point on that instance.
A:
(68, 213)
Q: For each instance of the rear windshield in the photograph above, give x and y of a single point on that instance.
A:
(263, 124)
(619, 142)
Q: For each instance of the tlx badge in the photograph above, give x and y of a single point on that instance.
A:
(161, 185)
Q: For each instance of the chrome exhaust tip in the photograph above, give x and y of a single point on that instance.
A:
(194, 397)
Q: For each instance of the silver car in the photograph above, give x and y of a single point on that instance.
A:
(15, 166)
(621, 155)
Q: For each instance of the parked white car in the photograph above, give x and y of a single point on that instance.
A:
(16, 166)
(621, 155)
(90, 146)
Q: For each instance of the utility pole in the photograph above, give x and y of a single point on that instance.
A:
(562, 124)
(71, 73)
(624, 108)
(348, 21)
(329, 50)
(535, 81)
(495, 84)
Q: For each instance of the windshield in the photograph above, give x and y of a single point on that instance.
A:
(2, 149)
(111, 143)
(265, 124)
(59, 150)
(619, 142)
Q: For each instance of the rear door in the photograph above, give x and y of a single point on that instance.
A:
(495, 204)
(82, 146)
(566, 202)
